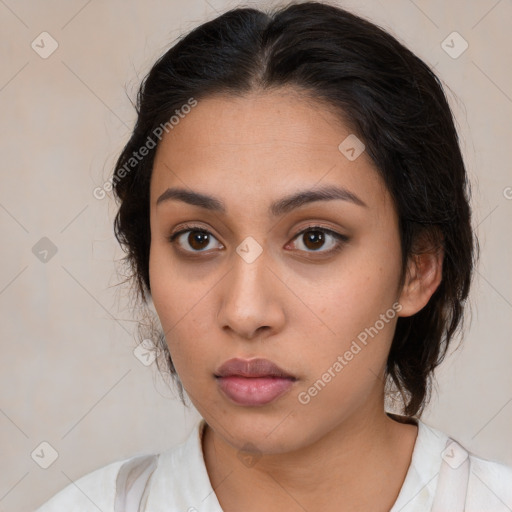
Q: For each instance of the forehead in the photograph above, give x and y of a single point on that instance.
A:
(258, 143)
(260, 117)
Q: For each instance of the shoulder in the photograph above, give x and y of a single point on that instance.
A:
(489, 485)
(92, 492)
(489, 482)
(164, 481)
(443, 470)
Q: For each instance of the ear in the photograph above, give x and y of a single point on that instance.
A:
(423, 276)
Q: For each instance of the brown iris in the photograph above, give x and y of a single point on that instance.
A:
(315, 237)
(198, 240)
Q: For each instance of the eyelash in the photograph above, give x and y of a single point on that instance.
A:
(340, 239)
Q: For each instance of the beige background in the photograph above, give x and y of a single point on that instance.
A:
(67, 372)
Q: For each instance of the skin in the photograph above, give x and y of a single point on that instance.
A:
(299, 307)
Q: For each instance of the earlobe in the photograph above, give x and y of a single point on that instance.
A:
(423, 277)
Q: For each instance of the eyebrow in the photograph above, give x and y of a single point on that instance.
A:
(279, 207)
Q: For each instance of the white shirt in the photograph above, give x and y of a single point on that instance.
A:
(180, 482)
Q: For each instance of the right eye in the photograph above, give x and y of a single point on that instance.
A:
(197, 239)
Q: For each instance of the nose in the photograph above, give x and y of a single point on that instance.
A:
(251, 303)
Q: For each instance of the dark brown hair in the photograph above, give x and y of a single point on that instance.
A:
(393, 102)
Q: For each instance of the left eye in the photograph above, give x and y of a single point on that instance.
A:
(314, 238)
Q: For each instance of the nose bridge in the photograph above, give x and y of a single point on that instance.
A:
(250, 300)
(248, 280)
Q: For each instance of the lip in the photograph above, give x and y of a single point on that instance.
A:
(253, 382)
(252, 368)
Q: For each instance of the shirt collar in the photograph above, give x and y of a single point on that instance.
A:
(181, 481)
(418, 490)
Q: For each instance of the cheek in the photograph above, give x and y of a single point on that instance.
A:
(174, 292)
(166, 291)
(180, 303)
(345, 368)
(362, 288)
(359, 310)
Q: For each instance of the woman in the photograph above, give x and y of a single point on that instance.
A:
(294, 202)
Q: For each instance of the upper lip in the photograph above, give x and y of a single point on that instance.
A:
(251, 368)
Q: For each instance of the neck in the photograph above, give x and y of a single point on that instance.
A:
(359, 461)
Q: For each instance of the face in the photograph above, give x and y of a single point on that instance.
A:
(310, 284)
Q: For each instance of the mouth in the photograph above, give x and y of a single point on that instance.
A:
(253, 382)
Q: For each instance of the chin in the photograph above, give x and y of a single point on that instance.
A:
(270, 435)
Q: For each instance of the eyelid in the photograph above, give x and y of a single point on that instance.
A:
(339, 237)
(188, 227)
(319, 227)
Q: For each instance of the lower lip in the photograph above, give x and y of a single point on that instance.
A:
(254, 390)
